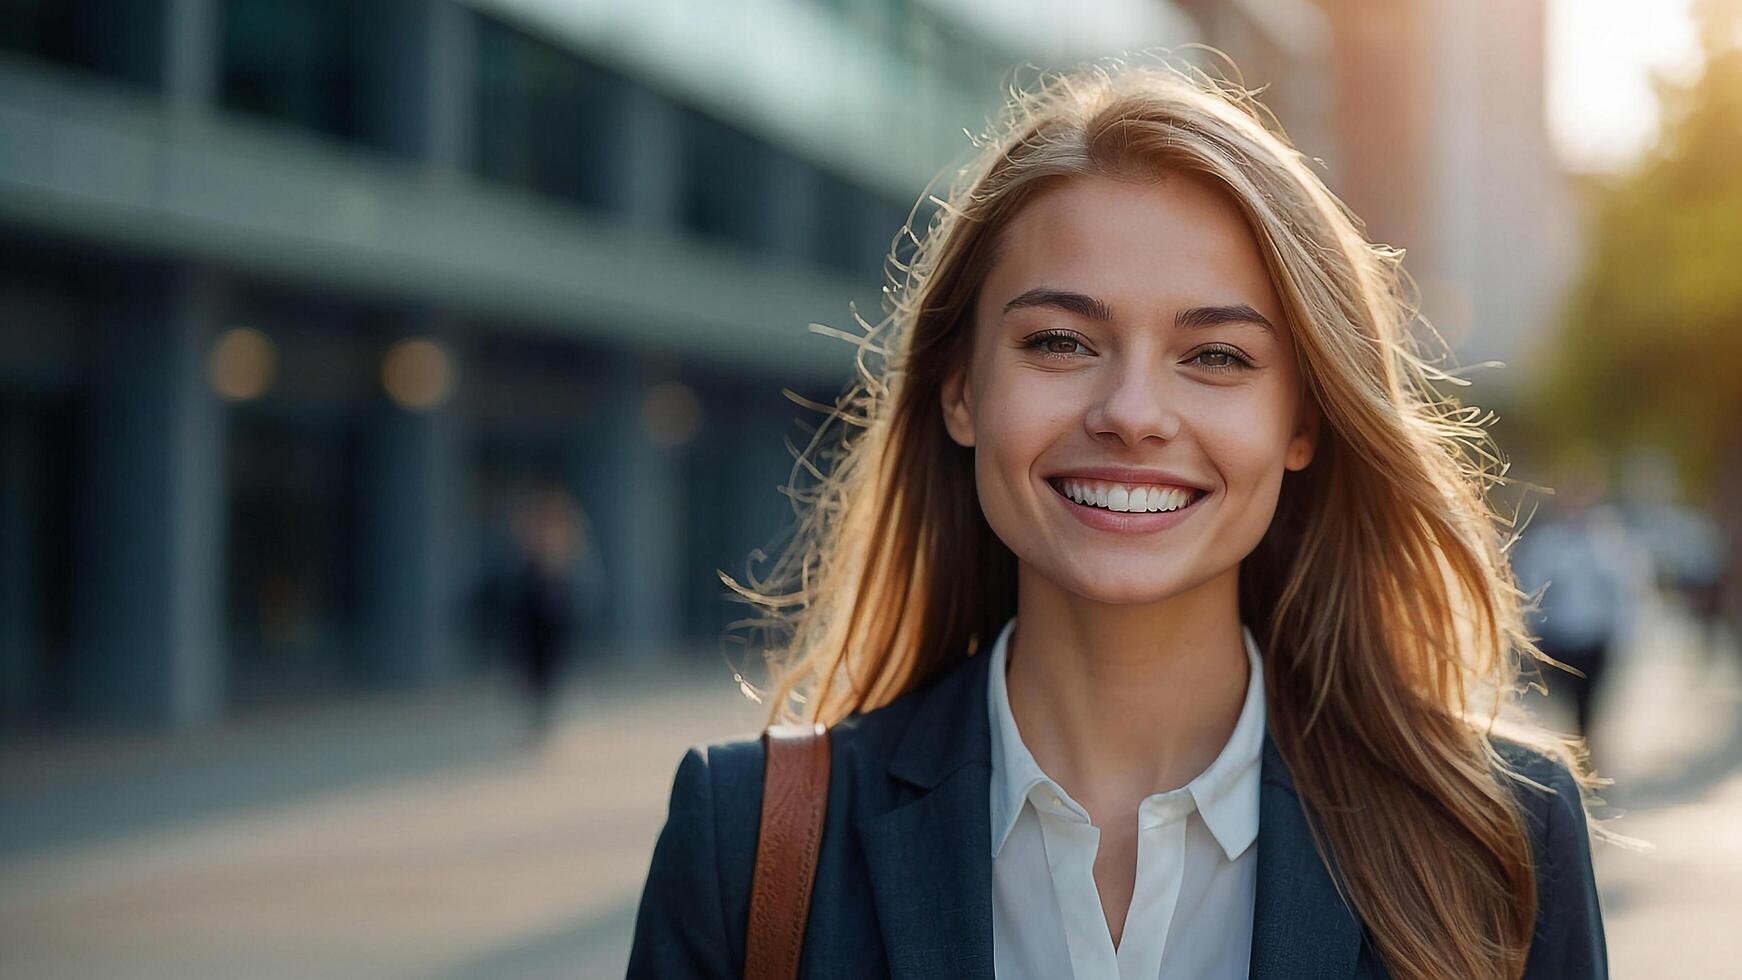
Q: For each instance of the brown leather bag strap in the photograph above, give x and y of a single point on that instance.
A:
(795, 796)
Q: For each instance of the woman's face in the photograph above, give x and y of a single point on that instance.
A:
(1130, 349)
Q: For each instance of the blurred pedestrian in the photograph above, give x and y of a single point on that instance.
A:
(1148, 600)
(1592, 579)
(547, 530)
(1687, 547)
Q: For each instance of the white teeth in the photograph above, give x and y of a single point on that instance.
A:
(1126, 499)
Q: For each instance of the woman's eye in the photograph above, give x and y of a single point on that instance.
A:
(1056, 345)
(1217, 359)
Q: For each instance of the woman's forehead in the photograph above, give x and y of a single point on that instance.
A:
(1172, 242)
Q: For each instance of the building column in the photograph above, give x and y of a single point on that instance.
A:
(632, 489)
(191, 42)
(410, 76)
(411, 484)
(792, 214)
(649, 164)
(20, 497)
(149, 522)
(448, 96)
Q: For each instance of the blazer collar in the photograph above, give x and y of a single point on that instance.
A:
(949, 730)
(929, 858)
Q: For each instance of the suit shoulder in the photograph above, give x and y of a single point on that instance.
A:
(882, 724)
(690, 920)
(1552, 770)
(1522, 754)
(865, 742)
(733, 766)
(718, 790)
(734, 763)
(1551, 797)
(1569, 937)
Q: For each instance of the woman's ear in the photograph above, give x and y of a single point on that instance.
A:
(955, 397)
(1306, 436)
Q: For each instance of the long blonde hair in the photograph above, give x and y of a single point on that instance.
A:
(1381, 593)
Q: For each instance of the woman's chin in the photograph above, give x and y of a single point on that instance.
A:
(1123, 586)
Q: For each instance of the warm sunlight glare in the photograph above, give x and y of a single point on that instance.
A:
(1602, 55)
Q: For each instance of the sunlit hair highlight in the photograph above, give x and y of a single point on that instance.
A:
(1381, 594)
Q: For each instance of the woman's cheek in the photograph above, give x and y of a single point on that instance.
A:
(1249, 436)
(1022, 419)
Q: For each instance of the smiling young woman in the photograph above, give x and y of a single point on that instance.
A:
(1153, 602)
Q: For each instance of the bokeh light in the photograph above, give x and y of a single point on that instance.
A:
(671, 413)
(418, 373)
(242, 364)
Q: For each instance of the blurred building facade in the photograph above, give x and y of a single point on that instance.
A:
(1431, 119)
(297, 296)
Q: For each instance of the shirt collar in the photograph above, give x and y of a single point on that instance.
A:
(1226, 794)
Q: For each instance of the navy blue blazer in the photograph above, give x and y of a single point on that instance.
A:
(904, 874)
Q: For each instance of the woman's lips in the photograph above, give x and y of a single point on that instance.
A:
(1103, 519)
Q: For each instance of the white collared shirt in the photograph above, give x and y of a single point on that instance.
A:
(1191, 910)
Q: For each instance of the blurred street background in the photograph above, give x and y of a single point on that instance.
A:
(382, 383)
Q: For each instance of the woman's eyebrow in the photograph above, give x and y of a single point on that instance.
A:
(1209, 316)
(1061, 299)
(1088, 306)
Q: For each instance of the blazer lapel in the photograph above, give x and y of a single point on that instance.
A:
(930, 858)
(1301, 928)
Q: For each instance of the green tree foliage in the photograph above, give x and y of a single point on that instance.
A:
(1649, 347)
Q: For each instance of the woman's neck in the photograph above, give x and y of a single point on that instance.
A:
(1120, 702)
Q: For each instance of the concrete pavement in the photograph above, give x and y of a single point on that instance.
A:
(423, 838)
(506, 861)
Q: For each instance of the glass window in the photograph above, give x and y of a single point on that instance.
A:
(296, 537)
(292, 541)
(725, 182)
(545, 118)
(38, 449)
(299, 63)
(742, 460)
(857, 230)
(838, 243)
(122, 39)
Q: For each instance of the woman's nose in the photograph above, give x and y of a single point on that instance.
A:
(1134, 406)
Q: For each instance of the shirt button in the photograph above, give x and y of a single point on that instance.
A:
(1055, 800)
